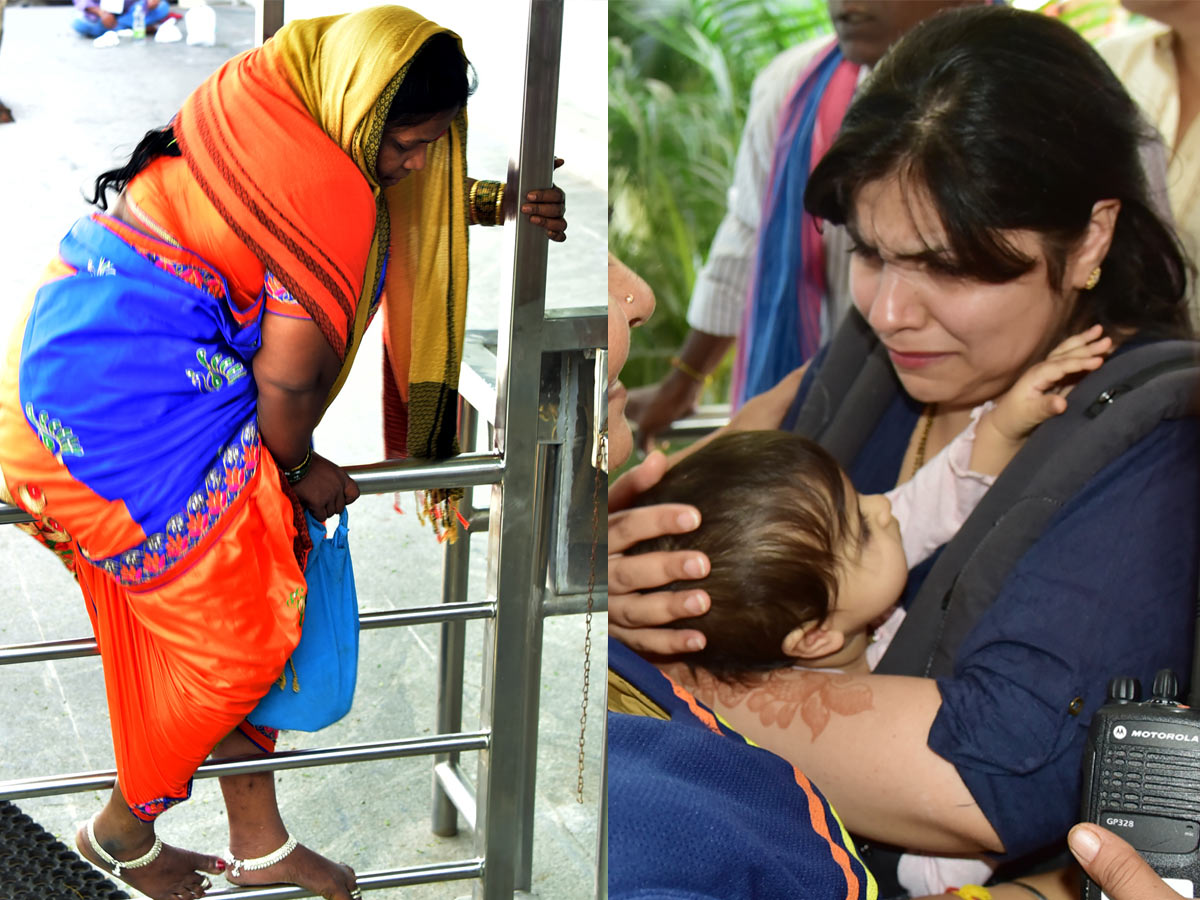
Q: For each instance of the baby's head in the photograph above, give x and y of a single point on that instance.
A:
(801, 563)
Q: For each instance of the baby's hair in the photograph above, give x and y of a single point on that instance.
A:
(773, 519)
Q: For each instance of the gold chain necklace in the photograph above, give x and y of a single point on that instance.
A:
(919, 456)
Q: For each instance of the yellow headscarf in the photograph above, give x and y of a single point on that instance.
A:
(346, 71)
(303, 212)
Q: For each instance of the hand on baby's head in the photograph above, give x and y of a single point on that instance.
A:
(773, 517)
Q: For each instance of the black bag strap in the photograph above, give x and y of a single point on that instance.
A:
(1108, 412)
(854, 375)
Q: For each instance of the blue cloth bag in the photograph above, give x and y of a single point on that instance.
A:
(324, 667)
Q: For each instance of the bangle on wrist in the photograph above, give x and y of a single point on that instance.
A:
(1029, 887)
(474, 219)
(486, 202)
(297, 473)
(695, 374)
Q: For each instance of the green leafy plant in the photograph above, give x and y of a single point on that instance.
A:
(680, 73)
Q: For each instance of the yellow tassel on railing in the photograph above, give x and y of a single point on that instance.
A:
(439, 508)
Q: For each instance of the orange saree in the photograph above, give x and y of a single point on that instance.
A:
(127, 402)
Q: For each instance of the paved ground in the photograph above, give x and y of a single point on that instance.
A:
(80, 109)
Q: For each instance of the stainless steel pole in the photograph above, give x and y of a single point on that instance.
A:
(516, 575)
(452, 651)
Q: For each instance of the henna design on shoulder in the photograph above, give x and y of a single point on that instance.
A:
(816, 696)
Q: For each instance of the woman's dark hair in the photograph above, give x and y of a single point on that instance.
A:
(437, 78)
(156, 143)
(1009, 120)
(773, 520)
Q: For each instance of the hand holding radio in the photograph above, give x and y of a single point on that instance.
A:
(1141, 782)
(1115, 866)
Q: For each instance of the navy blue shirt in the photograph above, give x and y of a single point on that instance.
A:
(1108, 589)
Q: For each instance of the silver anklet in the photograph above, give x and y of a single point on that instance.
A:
(261, 862)
(115, 864)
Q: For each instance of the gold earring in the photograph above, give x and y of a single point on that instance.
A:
(1093, 279)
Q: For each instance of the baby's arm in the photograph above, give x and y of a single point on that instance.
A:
(1037, 395)
(934, 503)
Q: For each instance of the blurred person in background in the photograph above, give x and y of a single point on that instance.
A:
(1159, 64)
(111, 15)
(799, 284)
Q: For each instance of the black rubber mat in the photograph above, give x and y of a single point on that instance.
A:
(34, 865)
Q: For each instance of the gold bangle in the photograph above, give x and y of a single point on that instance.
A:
(485, 202)
(974, 892)
(499, 218)
(694, 374)
(471, 203)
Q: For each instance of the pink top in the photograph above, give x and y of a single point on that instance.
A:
(931, 507)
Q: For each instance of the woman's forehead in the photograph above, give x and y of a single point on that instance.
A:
(897, 219)
(896, 215)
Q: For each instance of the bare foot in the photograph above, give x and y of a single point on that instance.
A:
(256, 830)
(174, 873)
(302, 867)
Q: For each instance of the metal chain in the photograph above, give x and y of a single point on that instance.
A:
(587, 638)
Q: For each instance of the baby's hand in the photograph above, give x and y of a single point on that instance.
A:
(1041, 392)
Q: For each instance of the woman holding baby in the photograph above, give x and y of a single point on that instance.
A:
(989, 175)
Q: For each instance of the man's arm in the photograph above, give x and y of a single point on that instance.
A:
(91, 8)
(719, 296)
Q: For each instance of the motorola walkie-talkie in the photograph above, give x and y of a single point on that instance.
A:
(1141, 778)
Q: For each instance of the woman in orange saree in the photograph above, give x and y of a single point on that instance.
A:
(158, 400)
